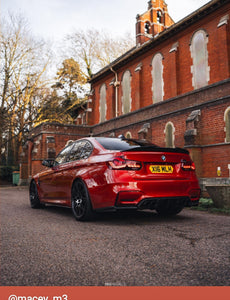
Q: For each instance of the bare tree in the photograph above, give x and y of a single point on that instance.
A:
(93, 49)
(23, 63)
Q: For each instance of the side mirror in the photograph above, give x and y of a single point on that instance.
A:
(48, 163)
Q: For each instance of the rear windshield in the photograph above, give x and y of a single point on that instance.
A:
(117, 144)
(135, 145)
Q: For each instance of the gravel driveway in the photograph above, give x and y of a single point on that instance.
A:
(48, 247)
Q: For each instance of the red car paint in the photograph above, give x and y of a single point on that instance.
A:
(139, 176)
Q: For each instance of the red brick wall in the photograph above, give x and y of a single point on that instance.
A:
(59, 134)
(213, 157)
(212, 103)
(176, 64)
(212, 120)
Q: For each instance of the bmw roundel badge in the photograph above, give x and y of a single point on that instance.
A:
(163, 157)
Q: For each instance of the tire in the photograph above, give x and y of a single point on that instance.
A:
(166, 208)
(80, 202)
(34, 198)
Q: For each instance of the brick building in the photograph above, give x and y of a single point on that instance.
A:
(172, 88)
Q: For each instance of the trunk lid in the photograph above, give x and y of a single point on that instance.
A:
(160, 163)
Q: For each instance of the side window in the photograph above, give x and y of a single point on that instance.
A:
(86, 150)
(81, 150)
(76, 150)
(63, 155)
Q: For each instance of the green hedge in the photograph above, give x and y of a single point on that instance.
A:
(7, 171)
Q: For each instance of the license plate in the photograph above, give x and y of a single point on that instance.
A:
(166, 169)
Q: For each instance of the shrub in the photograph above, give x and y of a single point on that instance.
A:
(206, 203)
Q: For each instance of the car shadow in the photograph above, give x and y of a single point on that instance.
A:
(59, 210)
(138, 218)
(126, 217)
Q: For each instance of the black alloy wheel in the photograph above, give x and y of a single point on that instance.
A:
(34, 198)
(80, 202)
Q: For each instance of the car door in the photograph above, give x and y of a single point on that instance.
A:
(50, 190)
(75, 161)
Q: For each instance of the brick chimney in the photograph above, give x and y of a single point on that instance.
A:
(153, 21)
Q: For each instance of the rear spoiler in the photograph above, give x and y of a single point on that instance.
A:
(157, 149)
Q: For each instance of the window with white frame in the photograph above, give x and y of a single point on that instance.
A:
(227, 124)
(169, 135)
(147, 27)
(199, 52)
(159, 17)
(103, 106)
(157, 78)
(126, 92)
(128, 135)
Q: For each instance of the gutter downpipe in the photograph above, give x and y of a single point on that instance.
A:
(116, 85)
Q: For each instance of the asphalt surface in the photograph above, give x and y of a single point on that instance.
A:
(48, 247)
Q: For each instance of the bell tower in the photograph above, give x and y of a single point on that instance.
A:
(153, 21)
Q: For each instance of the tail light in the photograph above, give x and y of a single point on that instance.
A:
(188, 165)
(119, 163)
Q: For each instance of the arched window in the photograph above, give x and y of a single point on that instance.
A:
(200, 69)
(126, 92)
(169, 135)
(103, 106)
(128, 135)
(157, 78)
(147, 27)
(159, 17)
(227, 124)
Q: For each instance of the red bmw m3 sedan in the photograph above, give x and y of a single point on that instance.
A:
(104, 174)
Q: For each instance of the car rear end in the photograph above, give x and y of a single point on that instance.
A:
(155, 178)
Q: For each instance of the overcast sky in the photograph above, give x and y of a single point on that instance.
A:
(53, 19)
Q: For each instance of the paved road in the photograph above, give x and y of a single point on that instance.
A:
(48, 247)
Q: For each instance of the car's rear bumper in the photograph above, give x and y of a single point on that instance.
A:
(153, 204)
(145, 193)
(140, 198)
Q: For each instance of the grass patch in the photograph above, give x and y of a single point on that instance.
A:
(206, 204)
